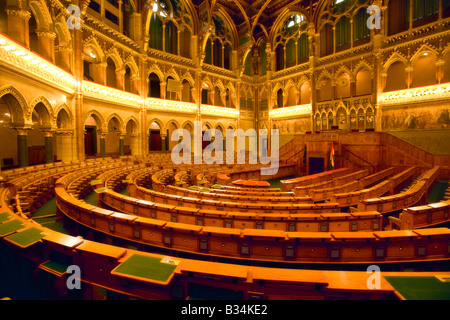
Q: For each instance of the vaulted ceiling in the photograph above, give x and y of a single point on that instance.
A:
(255, 14)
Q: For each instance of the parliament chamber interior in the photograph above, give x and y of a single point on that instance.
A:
(348, 99)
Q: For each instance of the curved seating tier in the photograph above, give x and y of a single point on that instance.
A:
(289, 184)
(106, 266)
(264, 245)
(103, 265)
(404, 199)
(379, 189)
(310, 222)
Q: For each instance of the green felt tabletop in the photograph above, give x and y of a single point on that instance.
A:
(95, 182)
(26, 237)
(11, 226)
(145, 267)
(420, 288)
(56, 266)
(4, 216)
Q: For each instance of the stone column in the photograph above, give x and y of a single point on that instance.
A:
(163, 142)
(64, 58)
(121, 146)
(120, 79)
(18, 26)
(134, 143)
(46, 44)
(102, 144)
(162, 89)
(49, 147)
(100, 73)
(22, 147)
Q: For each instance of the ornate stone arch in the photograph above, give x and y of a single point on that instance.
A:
(119, 119)
(157, 121)
(133, 119)
(154, 68)
(171, 73)
(115, 56)
(175, 122)
(394, 57)
(41, 14)
(94, 46)
(101, 124)
(425, 48)
(17, 114)
(63, 106)
(51, 121)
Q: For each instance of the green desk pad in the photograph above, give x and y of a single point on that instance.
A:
(4, 216)
(420, 288)
(26, 237)
(95, 182)
(146, 267)
(11, 226)
(56, 266)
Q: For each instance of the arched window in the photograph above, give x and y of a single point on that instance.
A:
(342, 119)
(263, 56)
(369, 118)
(317, 122)
(361, 119)
(353, 120)
(248, 64)
(279, 53)
(280, 98)
(424, 11)
(291, 42)
(127, 80)
(155, 33)
(170, 27)
(111, 80)
(290, 53)
(227, 56)
(330, 120)
(343, 33)
(326, 40)
(361, 33)
(217, 53)
(303, 48)
(154, 86)
(208, 56)
(185, 42)
(219, 45)
(171, 38)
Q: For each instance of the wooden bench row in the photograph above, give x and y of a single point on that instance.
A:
(210, 193)
(311, 222)
(207, 201)
(404, 199)
(425, 215)
(363, 181)
(101, 265)
(287, 185)
(382, 188)
(265, 245)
